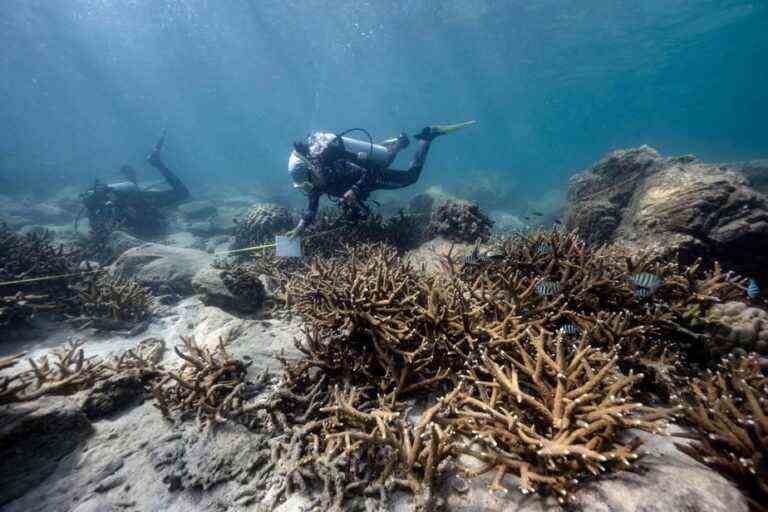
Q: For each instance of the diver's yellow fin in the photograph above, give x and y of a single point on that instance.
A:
(449, 128)
(441, 129)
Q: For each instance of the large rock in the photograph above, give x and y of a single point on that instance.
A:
(219, 291)
(120, 241)
(197, 210)
(754, 171)
(112, 395)
(34, 437)
(158, 266)
(672, 205)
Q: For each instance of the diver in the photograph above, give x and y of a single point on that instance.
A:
(126, 206)
(351, 169)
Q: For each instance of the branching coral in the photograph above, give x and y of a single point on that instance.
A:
(550, 413)
(117, 299)
(544, 349)
(69, 371)
(27, 257)
(728, 411)
(210, 383)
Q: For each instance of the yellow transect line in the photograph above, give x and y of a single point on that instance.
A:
(254, 248)
(50, 278)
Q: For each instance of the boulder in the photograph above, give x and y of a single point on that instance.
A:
(754, 171)
(673, 481)
(217, 290)
(112, 395)
(34, 437)
(671, 206)
(197, 210)
(120, 241)
(156, 266)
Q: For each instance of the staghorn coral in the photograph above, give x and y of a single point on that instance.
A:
(115, 298)
(335, 227)
(550, 413)
(460, 221)
(209, 383)
(70, 371)
(543, 348)
(728, 411)
(27, 257)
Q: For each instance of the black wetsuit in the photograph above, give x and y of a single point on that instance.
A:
(134, 210)
(363, 178)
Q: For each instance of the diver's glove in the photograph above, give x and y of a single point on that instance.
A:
(349, 198)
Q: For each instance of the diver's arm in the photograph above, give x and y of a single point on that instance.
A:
(365, 182)
(309, 214)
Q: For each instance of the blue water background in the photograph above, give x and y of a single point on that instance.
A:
(88, 85)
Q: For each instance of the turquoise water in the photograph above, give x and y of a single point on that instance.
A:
(88, 85)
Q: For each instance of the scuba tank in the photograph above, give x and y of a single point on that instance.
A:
(123, 186)
(365, 150)
(328, 147)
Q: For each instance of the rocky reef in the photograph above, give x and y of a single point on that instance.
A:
(578, 369)
(674, 206)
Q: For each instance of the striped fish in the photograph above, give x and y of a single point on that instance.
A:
(472, 258)
(642, 292)
(753, 291)
(570, 330)
(644, 280)
(546, 288)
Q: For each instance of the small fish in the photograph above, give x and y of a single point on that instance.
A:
(543, 248)
(570, 330)
(642, 293)
(644, 280)
(558, 222)
(753, 291)
(473, 258)
(538, 214)
(546, 288)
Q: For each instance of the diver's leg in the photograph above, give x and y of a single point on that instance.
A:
(394, 148)
(178, 192)
(392, 179)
